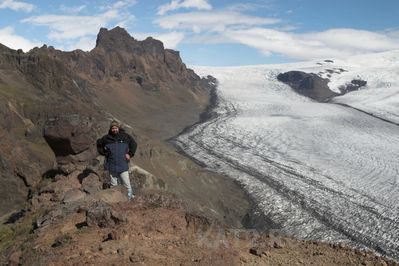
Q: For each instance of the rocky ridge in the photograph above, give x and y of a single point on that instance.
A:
(73, 221)
(314, 86)
(54, 104)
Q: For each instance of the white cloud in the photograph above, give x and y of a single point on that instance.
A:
(235, 27)
(68, 27)
(123, 4)
(63, 27)
(84, 43)
(355, 39)
(11, 40)
(240, 7)
(269, 36)
(170, 39)
(125, 20)
(79, 31)
(208, 38)
(393, 33)
(118, 4)
(331, 43)
(210, 21)
(178, 4)
(16, 5)
(72, 9)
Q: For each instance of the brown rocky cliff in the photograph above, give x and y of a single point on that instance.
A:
(137, 82)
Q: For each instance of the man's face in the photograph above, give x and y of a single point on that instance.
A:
(114, 130)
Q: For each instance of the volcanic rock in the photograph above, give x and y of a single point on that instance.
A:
(72, 138)
(73, 195)
(91, 184)
(14, 258)
(102, 214)
(308, 84)
(354, 85)
(112, 195)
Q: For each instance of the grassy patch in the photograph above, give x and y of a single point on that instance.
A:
(8, 91)
(17, 234)
(6, 237)
(12, 92)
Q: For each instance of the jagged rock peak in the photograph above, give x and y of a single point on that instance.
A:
(119, 39)
(116, 38)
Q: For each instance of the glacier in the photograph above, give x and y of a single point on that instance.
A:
(322, 171)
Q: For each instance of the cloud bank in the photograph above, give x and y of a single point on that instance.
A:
(16, 5)
(271, 36)
(79, 31)
(330, 43)
(210, 21)
(178, 4)
(12, 40)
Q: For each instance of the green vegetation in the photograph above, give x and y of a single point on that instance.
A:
(8, 91)
(6, 236)
(18, 233)
(11, 92)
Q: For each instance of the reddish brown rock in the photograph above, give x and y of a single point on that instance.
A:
(103, 215)
(91, 184)
(14, 258)
(73, 195)
(72, 139)
(112, 195)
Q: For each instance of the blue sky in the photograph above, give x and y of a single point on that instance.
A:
(210, 32)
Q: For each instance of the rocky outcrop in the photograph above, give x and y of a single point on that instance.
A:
(101, 214)
(72, 139)
(23, 159)
(354, 85)
(308, 84)
(313, 86)
(103, 227)
(155, 228)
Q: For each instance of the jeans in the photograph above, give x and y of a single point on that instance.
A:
(124, 177)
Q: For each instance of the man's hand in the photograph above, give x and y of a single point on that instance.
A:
(127, 156)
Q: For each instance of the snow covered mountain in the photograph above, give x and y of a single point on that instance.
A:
(326, 171)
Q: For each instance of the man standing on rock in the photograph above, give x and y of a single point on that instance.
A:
(117, 147)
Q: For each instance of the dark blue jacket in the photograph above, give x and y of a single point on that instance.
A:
(114, 148)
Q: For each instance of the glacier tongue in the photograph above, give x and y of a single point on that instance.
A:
(320, 171)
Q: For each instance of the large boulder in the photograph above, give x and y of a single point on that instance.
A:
(72, 139)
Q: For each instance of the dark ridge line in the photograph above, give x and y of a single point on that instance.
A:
(367, 113)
